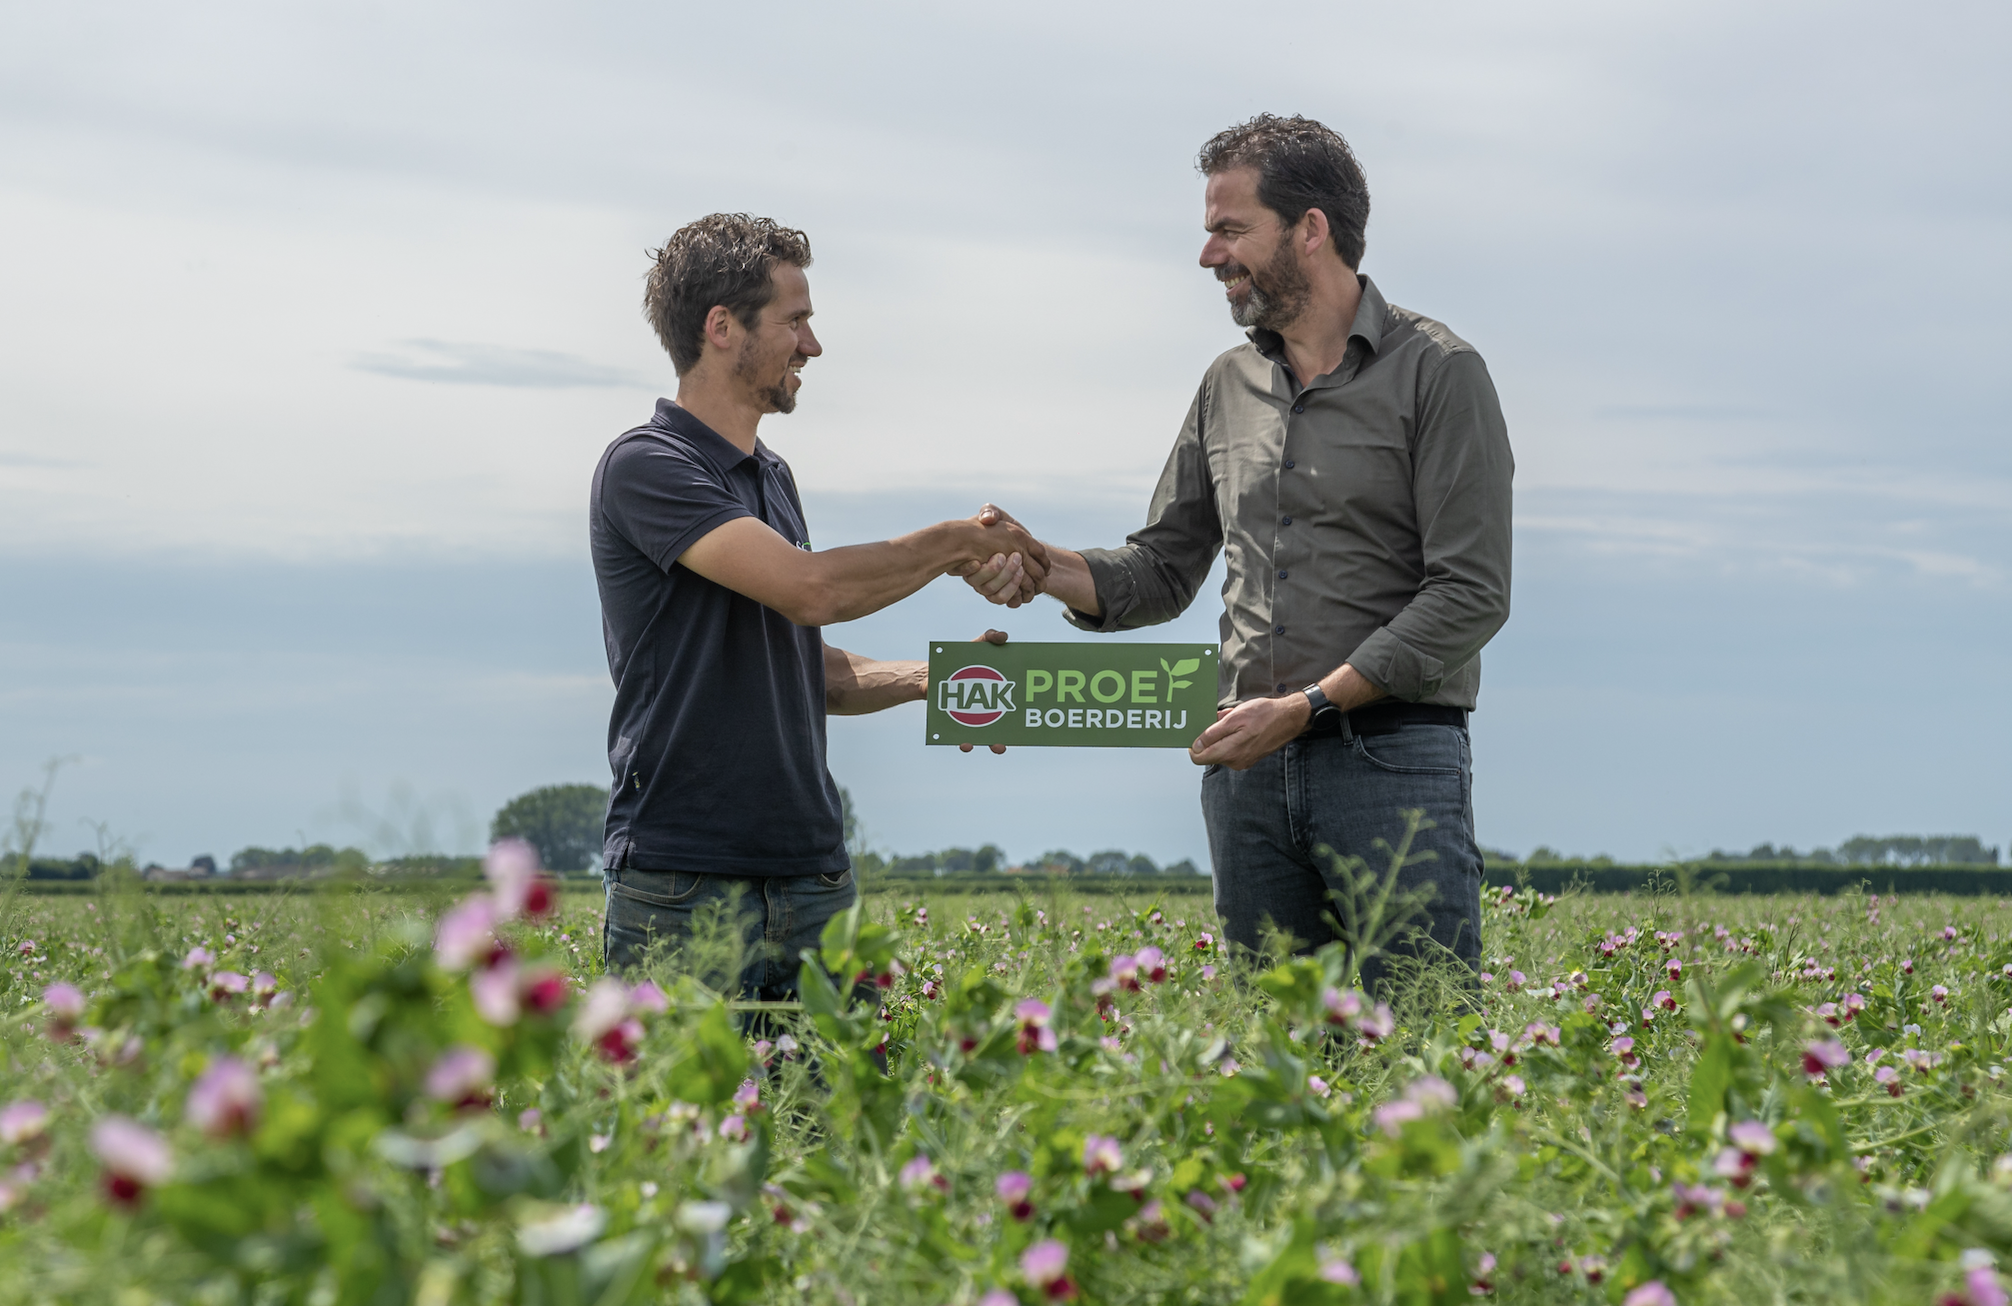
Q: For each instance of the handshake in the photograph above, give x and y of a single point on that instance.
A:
(1018, 566)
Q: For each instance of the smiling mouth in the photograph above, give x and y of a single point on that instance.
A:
(1234, 284)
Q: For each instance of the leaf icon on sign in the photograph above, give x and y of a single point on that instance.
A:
(1176, 671)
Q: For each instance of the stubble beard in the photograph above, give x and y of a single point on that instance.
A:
(774, 398)
(1277, 308)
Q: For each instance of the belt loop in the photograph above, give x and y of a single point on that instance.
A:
(1347, 730)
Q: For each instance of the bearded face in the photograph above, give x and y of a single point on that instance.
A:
(1278, 292)
(768, 370)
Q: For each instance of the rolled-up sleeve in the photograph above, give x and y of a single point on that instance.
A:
(1461, 473)
(1153, 576)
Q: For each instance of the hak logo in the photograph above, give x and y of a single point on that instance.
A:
(975, 696)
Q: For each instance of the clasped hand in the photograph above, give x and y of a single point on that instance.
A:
(1009, 579)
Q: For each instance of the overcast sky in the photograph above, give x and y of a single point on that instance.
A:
(316, 318)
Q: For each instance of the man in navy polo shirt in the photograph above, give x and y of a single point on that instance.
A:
(711, 603)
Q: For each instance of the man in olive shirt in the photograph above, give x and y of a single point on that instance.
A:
(1353, 462)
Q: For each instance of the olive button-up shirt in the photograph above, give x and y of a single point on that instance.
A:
(1365, 515)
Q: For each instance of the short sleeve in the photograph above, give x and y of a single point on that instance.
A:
(663, 500)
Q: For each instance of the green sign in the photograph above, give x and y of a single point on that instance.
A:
(1070, 695)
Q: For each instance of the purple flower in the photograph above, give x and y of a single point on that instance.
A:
(734, 1129)
(1652, 1293)
(646, 996)
(225, 1099)
(22, 1121)
(462, 1077)
(998, 1297)
(227, 984)
(1378, 1024)
(1391, 1117)
(1033, 1015)
(65, 1002)
(199, 958)
(135, 1158)
(494, 993)
(1336, 1270)
(1153, 965)
(1981, 1287)
(1317, 1086)
(1342, 1008)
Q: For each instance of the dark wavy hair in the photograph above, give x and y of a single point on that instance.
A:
(1300, 165)
(723, 258)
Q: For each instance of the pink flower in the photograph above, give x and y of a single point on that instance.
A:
(1391, 1117)
(227, 984)
(1822, 1055)
(1517, 979)
(734, 1129)
(1046, 1266)
(466, 935)
(66, 1007)
(199, 958)
(1981, 1288)
(646, 996)
(1752, 1137)
(531, 1120)
(1734, 1166)
(22, 1122)
(494, 993)
(1852, 1004)
(1204, 941)
(1623, 1049)
(998, 1297)
(1317, 1086)
(1676, 972)
(1939, 993)
(1153, 965)
(544, 989)
(920, 1174)
(1208, 973)
(463, 1078)
(1512, 1085)
(512, 868)
(1889, 1079)
(605, 1008)
(1378, 1024)
(1101, 1155)
(1652, 1293)
(1125, 972)
(931, 989)
(1336, 1270)
(225, 1099)
(1033, 1015)
(1203, 1204)
(1013, 1188)
(135, 1158)
(1341, 1007)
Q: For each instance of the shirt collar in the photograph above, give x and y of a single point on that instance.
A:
(721, 452)
(1367, 327)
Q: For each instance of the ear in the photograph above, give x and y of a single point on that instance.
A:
(1312, 233)
(720, 326)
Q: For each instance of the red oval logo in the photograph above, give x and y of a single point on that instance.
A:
(975, 696)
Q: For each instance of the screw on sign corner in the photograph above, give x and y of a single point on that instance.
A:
(975, 696)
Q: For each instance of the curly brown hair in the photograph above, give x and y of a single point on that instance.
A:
(1300, 165)
(723, 258)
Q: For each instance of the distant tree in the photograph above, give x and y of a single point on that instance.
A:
(1185, 866)
(1057, 861)
(1109, 862)
(1140, 864)
(312, 857)
(1917, 850)
(205, 863)
(563, 822)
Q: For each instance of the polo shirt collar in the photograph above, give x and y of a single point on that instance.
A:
(721, 452)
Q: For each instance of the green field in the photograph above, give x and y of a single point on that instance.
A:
(1592, 1129)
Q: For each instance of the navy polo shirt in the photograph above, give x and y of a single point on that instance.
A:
(717, 739)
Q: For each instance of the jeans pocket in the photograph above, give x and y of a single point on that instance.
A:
(667, 888)
(1413, 750)
(837, 879)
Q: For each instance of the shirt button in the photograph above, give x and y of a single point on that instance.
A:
(1281, 687)
(1278, 630)
(1281, 575)
(1288, 464)
(1299, 408)
(1288, 521)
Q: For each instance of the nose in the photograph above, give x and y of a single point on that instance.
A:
(1215, 251)
(806, 342)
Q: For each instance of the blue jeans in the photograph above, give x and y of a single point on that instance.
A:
(1267, 827)
(778, 917)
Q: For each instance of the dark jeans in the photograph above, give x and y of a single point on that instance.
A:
(1267, 824)
(778, 916)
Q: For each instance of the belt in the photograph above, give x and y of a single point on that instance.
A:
(1387, 718)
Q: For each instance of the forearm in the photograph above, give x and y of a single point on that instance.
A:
(1070, 581)
(850, 582)
(855, 685)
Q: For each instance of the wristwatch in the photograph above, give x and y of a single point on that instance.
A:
(1325, 714)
